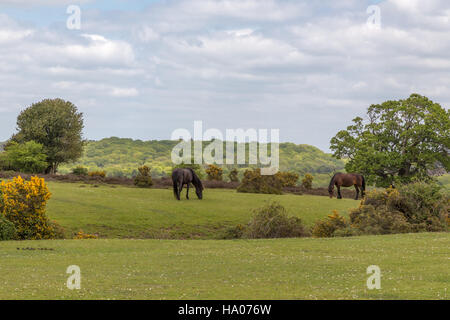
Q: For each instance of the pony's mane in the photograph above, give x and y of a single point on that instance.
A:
(330, 187)
(196, 179)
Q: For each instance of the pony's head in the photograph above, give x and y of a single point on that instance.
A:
(197, 184)
(199, 192)
(331, 186)
(330, 191)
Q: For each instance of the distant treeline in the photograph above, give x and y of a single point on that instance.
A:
(121, 158)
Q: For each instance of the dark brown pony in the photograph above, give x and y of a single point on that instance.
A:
(181, 177)
(347, 180)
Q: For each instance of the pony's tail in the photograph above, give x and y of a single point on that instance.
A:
(330, 187)
(363, 185)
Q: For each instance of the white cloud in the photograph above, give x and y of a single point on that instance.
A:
(303, 66)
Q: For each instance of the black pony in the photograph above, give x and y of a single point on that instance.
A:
(181, 177)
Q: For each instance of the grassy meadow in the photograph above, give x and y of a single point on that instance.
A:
(154, 247)
(413, 266)
(124, 212)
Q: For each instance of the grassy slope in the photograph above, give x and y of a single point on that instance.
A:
(123, 212)
(413, 266)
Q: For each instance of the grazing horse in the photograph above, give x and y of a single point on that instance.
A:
(181, 177)
(347, 180)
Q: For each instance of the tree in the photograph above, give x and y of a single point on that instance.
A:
(57, 125)
(399, 142)
(28, 157)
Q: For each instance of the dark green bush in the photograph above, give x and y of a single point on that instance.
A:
(414, 207)
(80, 171)
(233, 175)
(7, 229)
(272, 221)
(254, 182)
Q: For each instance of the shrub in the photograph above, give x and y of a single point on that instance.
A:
(307, 181)
(7, 229)
(326, 228)
(254, 182)
(58, 230)
(272, 221)
(80, 171)
(143, 178)
(214, 172)
(23, 203)
(235, 232)
(288, 179)
(368, 220)
(28, 157)
(233, 175)
(100, 174)
(414, 207)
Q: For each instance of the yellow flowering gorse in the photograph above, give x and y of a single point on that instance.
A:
(23, 203)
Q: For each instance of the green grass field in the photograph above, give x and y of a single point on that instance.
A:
(123, 212)
(413, 266)
(127, 264)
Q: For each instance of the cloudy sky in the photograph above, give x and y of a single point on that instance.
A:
(141, 69)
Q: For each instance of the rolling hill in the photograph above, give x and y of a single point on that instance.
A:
(122, 157)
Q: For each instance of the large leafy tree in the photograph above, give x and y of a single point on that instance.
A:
(398, 141)
(57, 125)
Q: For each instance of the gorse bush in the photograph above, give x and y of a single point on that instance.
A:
(272, 221)
(7, 229)
(307, 181)
(100, 174)
(326, 228)
(143, 178)
(288, 179)
(254, 182)
(23, 203)
(414, 207)
(233, 175)
(214, 173)
(80, 171)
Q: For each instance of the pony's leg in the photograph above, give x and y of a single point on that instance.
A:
(187, 191)
(357, 192)
(180, 189)
(339, 192)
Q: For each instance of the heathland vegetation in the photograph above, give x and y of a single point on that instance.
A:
(122, 157)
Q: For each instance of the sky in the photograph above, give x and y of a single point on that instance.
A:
(142, 69)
